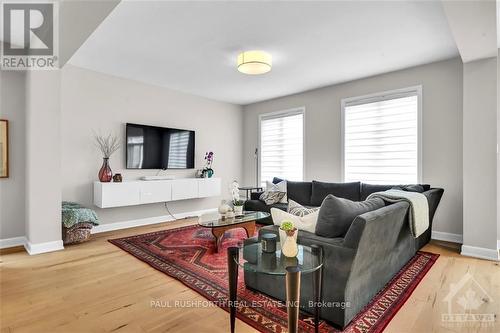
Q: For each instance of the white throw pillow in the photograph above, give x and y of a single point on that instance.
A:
(306, 223)
(280, 187)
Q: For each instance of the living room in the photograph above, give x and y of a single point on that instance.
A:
(369, 129)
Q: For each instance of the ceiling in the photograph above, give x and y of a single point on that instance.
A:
(192, 46)
(474, 27)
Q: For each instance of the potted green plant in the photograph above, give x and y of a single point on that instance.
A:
(288, 239)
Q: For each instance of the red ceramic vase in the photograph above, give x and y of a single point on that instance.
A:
(105, 174)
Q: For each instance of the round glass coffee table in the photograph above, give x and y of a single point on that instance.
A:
(250, 256)
(219, 225)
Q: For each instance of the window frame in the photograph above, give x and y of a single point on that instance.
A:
(279, 114)
(378, 97)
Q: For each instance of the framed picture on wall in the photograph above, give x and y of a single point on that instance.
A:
(4, 148)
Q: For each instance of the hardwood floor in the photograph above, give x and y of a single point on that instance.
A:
(96, 287)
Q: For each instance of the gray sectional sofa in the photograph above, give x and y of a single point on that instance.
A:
(311, 194)
(356, 266)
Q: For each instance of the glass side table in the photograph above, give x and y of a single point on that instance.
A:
(252, 259)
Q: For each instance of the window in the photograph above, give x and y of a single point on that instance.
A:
(381, 137)
(282, 145)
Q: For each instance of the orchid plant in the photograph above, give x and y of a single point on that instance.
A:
(235, 194)
(209, 158)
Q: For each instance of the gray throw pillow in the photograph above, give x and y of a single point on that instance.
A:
(337, 214)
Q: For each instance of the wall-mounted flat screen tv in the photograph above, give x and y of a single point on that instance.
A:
(151, 147)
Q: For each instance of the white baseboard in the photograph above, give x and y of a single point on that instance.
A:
(480, 252)
(447, 237)
(11, 242)
(37, 248)
(147, 221)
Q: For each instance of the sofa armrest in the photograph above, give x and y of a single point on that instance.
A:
(329, 245)
(379, 227)
(433, 196)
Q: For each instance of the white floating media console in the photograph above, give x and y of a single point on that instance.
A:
(139, 192)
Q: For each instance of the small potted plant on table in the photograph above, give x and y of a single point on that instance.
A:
(238, 207)
(288, 239)
(237, 202)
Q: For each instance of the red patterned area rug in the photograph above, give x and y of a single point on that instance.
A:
(187, 254)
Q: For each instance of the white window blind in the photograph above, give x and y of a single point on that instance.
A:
(381, 138)
(282, 146)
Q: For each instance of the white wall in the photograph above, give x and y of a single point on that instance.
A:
(498, 150)
(12, 189)
(442, 130)
(43, 160)
(480, 154)
(93, 101)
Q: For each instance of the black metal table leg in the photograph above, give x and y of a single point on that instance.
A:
(317, 286)
(293, 297)
(232, 268)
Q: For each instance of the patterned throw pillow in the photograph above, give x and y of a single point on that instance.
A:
(274, 192)
(271, 197)
(297, 209)
(279, 187)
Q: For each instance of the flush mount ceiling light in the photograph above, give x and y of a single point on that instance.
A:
(254, 62)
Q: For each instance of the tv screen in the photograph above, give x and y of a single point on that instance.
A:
(151, 147)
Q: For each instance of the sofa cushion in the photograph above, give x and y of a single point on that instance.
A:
(298, 191)
(260, 206)
(336, 214)
(255, 195)
(342, 190)
(367, 189)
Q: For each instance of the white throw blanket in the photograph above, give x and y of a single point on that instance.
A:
(419, 208)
